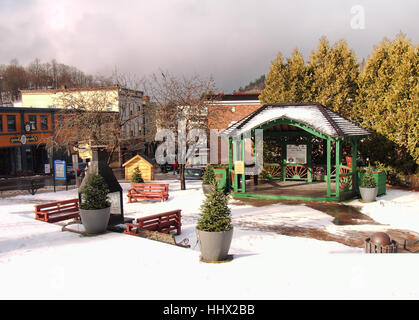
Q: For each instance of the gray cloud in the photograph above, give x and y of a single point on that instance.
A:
(234, 40)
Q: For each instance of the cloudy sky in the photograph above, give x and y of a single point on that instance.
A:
(233, 40)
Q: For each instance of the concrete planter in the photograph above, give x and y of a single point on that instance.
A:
(95, 221)
(368, 194)
(214, 245)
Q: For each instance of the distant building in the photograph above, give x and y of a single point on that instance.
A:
(24, 133)
(52, 98)
(28, 126)
(131, 104)
(225, 111)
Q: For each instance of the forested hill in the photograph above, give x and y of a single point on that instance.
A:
(254, 86)
(42, 75)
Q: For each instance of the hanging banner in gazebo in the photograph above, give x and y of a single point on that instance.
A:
(297, 153)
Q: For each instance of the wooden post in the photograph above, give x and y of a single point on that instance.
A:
(338, 158)
(284, 160)
(354, 166)
(236, 182)
(309, 163)
(243, 178)
(328, 170)
(230, 162)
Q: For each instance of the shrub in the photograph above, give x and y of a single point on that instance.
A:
(215, 214)
(368, 180)
(209, 176)
(94, 193)
(136, 176)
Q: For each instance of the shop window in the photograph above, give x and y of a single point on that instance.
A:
(32, 121)
(11, 123)
(44, 122)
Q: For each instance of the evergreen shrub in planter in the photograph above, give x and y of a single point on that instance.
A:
(208, 178)
(95, 207)
(368, 187)
(214, 230)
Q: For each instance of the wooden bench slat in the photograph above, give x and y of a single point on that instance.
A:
(148, 191)
(57, 211)
(162, 222)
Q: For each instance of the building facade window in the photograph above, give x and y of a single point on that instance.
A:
(44, 122)
(32, 121)
(11, 123)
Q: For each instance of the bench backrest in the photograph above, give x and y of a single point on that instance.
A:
(149, 187)
(59, 206)
(170, 214)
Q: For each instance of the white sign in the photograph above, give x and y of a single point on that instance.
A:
(47, 168)
(297, 153)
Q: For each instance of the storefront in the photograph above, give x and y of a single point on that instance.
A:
(24, 135)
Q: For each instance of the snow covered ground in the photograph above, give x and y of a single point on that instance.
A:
(39, 261)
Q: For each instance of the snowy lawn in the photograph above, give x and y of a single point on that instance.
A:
(38, 260)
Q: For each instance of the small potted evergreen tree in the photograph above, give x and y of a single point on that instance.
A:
(136, 176)
(94, 206)
(214, 229)
(208, 178)
(368, 187)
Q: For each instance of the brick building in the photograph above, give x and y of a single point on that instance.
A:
(222, 113)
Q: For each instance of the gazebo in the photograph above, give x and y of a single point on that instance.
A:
(295, 129)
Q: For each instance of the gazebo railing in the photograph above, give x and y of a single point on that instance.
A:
(273, 169)
(346, 178)
(296, 171)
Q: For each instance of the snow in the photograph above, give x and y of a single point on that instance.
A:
(397, 208)
(40, 261)
(306, 114)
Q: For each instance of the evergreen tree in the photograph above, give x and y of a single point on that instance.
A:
(215, 214)
(275, 84)
(136, 176)
(388, 102)
(286, 80)
(332, 76)
(209, 176)
(368, 180)
(94, 193)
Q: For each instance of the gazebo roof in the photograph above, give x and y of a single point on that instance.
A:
(313, 115)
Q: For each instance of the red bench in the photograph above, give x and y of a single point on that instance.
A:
(162, 222)
(57, 211)
(148, 191)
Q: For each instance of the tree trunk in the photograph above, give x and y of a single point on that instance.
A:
(182, 176)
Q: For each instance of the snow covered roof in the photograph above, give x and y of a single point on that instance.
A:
(313, 115)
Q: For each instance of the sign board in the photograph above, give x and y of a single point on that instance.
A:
(47, 169)
(85, 152)
(60, 172)
(239, 167)
(23, 139)
(297, 153)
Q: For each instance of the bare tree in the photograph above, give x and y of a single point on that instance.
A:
(86, 116)
(181, 107)
(95, 116)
